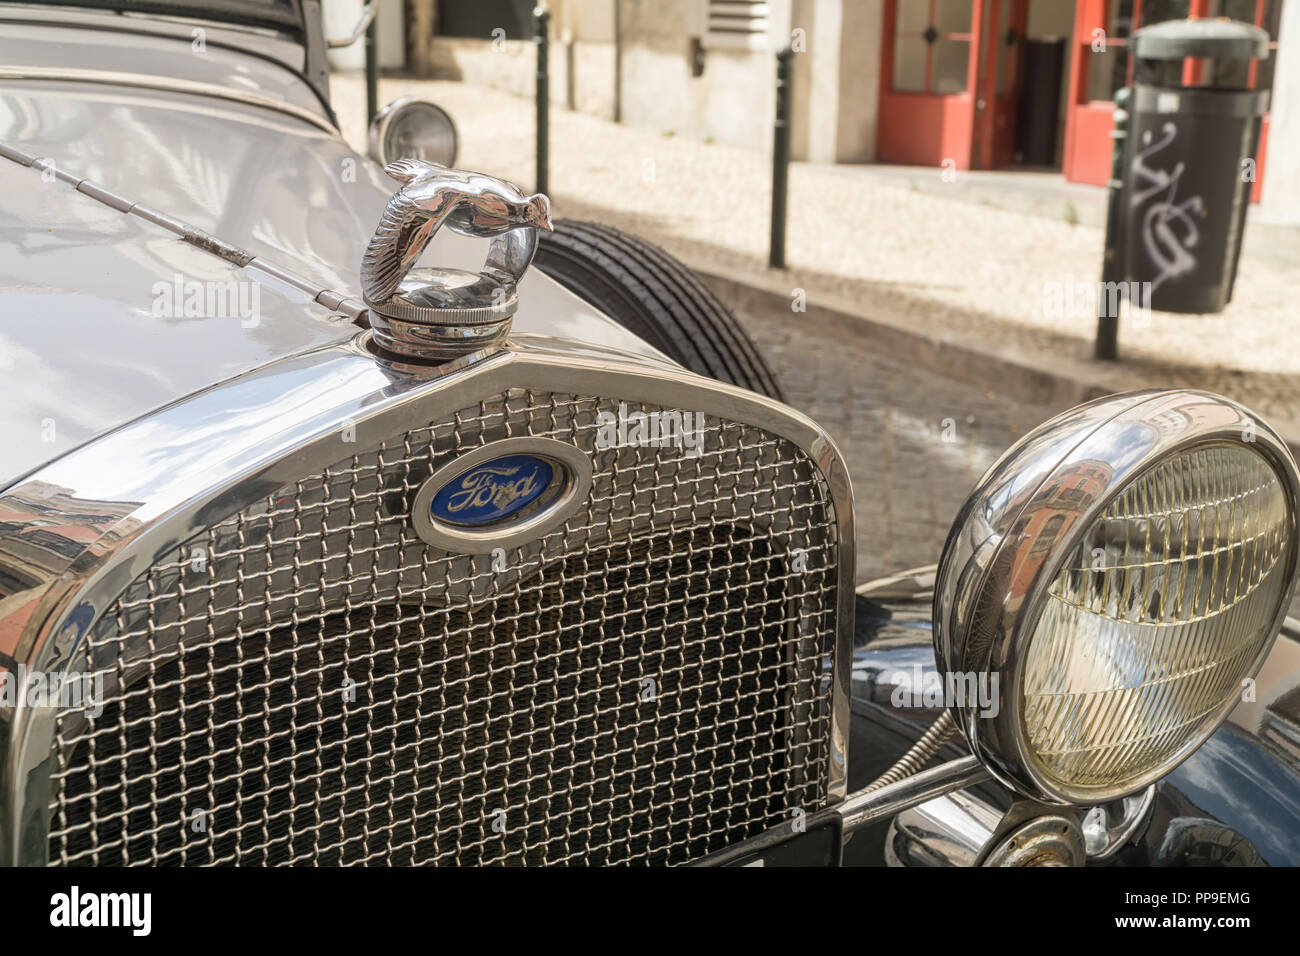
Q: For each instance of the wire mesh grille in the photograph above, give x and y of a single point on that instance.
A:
(308, 682)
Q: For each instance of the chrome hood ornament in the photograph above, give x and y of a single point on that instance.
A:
(439, 313)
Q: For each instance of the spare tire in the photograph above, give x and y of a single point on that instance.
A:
(656, 297)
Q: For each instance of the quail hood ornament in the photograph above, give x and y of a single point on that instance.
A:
(440, 313)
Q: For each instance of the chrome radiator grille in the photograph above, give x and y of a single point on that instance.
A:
(308, 682)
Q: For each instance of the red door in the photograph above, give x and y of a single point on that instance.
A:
(1100, 67)
(929, 68)
(999, 83)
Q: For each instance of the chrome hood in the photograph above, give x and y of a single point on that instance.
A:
(83, 349)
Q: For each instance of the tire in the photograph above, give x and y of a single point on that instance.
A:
(656, 297)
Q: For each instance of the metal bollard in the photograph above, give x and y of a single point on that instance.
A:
(372, 70)
(542, 22)
(780, 159)
(1112, 262)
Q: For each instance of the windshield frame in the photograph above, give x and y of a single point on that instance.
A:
(297, 21)
(285, 16)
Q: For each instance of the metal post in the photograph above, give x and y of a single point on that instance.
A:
(372, 70)
(618, 62)
(780, 159)
(1112, 263)
(542, 21)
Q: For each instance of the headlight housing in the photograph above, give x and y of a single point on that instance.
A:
(412, 128)
(1122, 570)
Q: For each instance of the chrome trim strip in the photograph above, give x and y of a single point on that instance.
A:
(101, 194)
(242, 258)
(864, 808)
(166, 83)
(231, 444)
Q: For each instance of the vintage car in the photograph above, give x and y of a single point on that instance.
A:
(330, 533)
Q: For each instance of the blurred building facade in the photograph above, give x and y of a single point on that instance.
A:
(964, 84)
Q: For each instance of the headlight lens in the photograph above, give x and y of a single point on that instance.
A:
(410, 128)
(1155, 617)
(1116, 576)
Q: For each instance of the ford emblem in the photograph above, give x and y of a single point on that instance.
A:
(501, 494)
(493, 491)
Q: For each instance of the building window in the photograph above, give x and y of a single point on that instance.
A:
(737, 24)
(932, 40)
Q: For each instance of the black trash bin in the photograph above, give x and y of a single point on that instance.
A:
(1186, 175)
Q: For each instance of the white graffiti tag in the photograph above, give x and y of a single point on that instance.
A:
(1165, 220)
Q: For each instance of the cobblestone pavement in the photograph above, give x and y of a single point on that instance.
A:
(958, 269)
(915, 443)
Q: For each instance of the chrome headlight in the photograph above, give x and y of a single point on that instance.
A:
(1121, 570)
(410, 128)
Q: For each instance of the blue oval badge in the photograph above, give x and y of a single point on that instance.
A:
(493, 491)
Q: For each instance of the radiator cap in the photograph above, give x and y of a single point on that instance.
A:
(438, 314)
